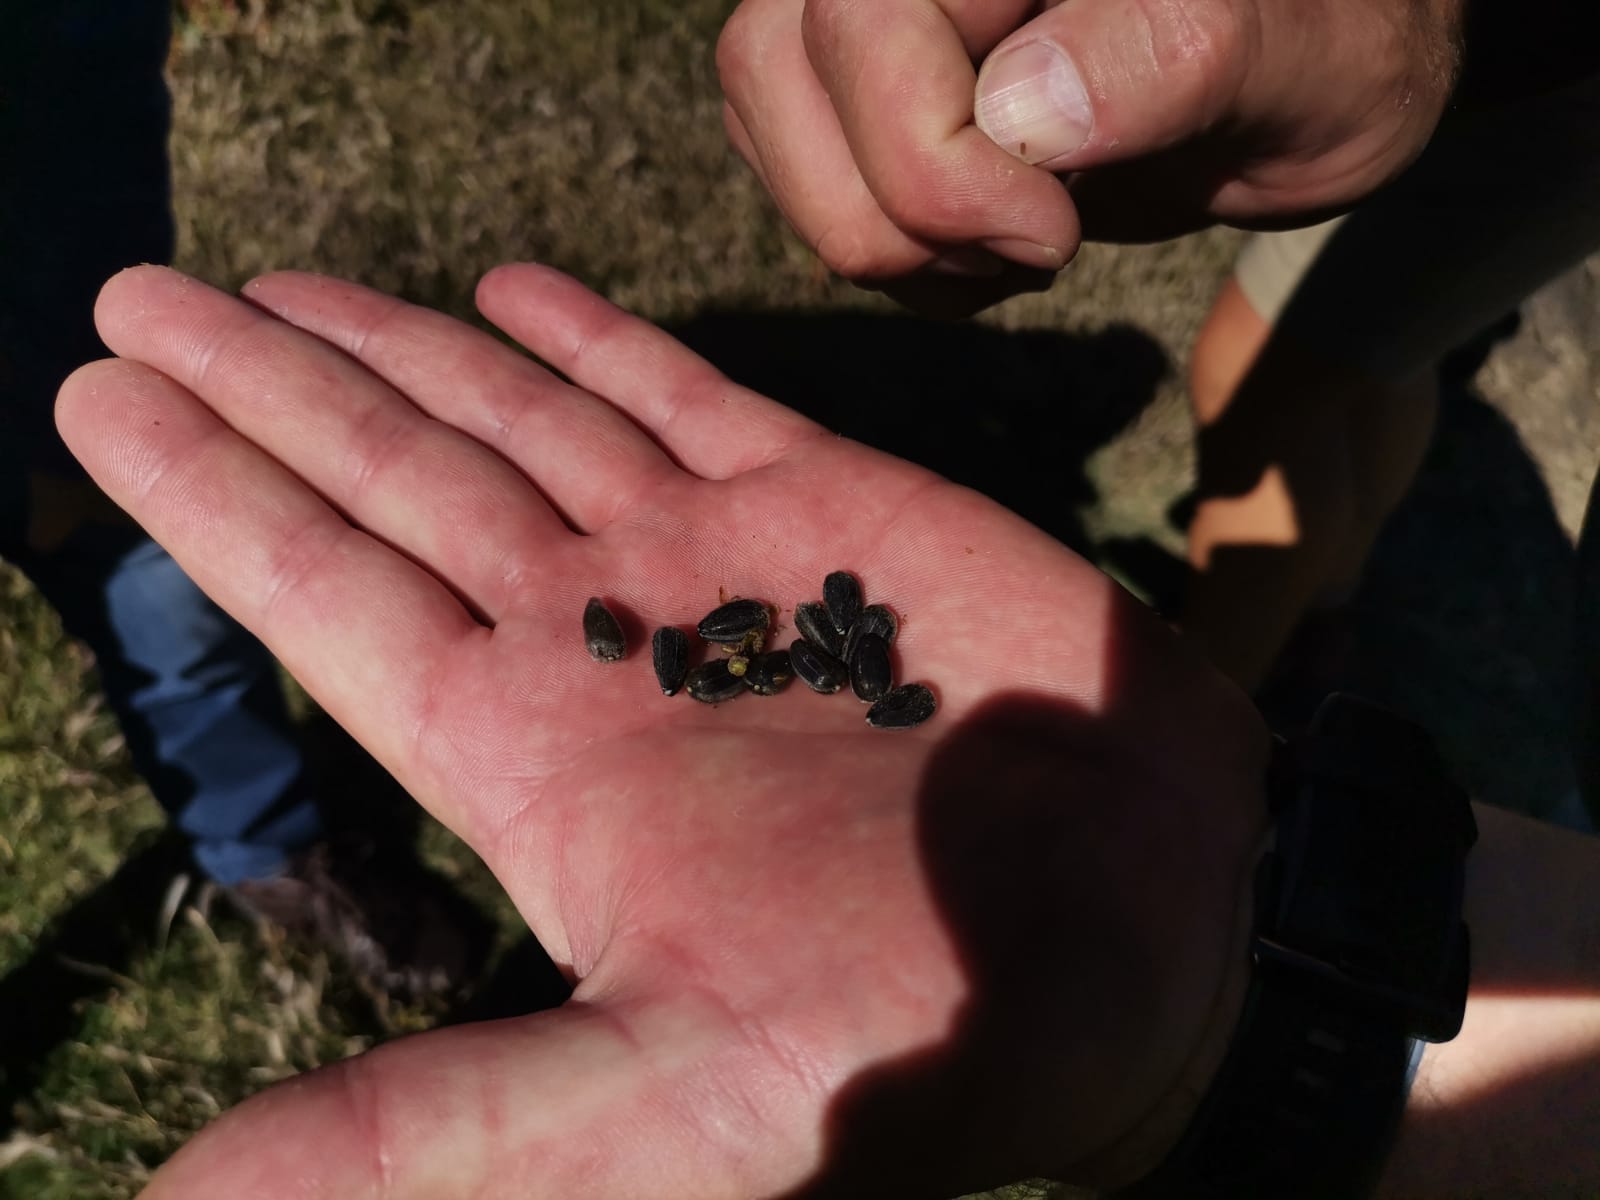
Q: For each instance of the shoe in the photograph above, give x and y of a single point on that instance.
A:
(399, 928)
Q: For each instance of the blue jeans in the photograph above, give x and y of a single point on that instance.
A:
(83, 193)
(198, 698)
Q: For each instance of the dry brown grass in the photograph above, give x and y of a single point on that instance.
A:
(412, 144)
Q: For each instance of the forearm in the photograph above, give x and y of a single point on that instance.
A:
(1511, 1107)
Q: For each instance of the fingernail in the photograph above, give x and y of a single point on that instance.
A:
(1032, 102)
(1028, 254)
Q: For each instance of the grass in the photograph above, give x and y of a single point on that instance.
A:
(413, 144)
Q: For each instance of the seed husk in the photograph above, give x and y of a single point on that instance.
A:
(602, 635)
(842, 596)
(874, 618)
(902, 707)
(769, 673)
(870, 673)
(710, 683)
(816, 626)
(816, 668)
(669, 654)
(735, 621)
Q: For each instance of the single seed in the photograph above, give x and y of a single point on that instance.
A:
(769, 673)
(842, 595)
(602, 636)
(735, 621)
(710, 683)
(902, 707)
(817, 669)
(669, 654)
(875, 618)
(870, 673)
(814, 624)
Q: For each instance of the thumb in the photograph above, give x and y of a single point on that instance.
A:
(1100, 81)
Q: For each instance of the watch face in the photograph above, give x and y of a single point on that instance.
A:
(1371, 845)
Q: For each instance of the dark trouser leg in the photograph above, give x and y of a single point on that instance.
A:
(85, 192)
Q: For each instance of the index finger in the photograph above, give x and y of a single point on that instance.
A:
(901, 79)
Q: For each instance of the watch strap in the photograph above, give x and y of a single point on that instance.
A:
(1307, 1092)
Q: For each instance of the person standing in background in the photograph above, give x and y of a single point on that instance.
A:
(84, 122)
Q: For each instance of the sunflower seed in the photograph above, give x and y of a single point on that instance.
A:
(769, 673)
(710, 683)
(902, 707)
(817, 669)
(875, 618)
(842, 596)
(870, 673)
(735, 620)
(669, 654)
(602, 636)
(814, 624)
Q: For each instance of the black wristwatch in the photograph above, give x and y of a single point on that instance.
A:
(1359, 956)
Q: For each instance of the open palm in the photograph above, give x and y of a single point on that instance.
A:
(812, 956)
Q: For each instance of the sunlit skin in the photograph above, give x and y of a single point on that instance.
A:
(867, 124)
(760, 901)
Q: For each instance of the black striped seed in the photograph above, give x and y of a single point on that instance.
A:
(817, 669)
(734, 621)
(870, 673)
(814, 624)
(602, 635)
(769, 673)
(875, 618)
(902, 707)
(710, 683)
(669, 654)
(842, 596)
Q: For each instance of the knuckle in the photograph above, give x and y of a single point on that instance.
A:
(738, 49)
(847, 251)
(750, 41)
(1201, 44)
(821, 26)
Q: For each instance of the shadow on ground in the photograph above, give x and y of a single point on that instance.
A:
(80, 957)
(1468, 620)
(1014, 415)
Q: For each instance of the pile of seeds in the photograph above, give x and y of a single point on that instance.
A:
(841, 641)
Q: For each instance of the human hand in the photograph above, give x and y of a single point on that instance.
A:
(811, 957)
(896, 159)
